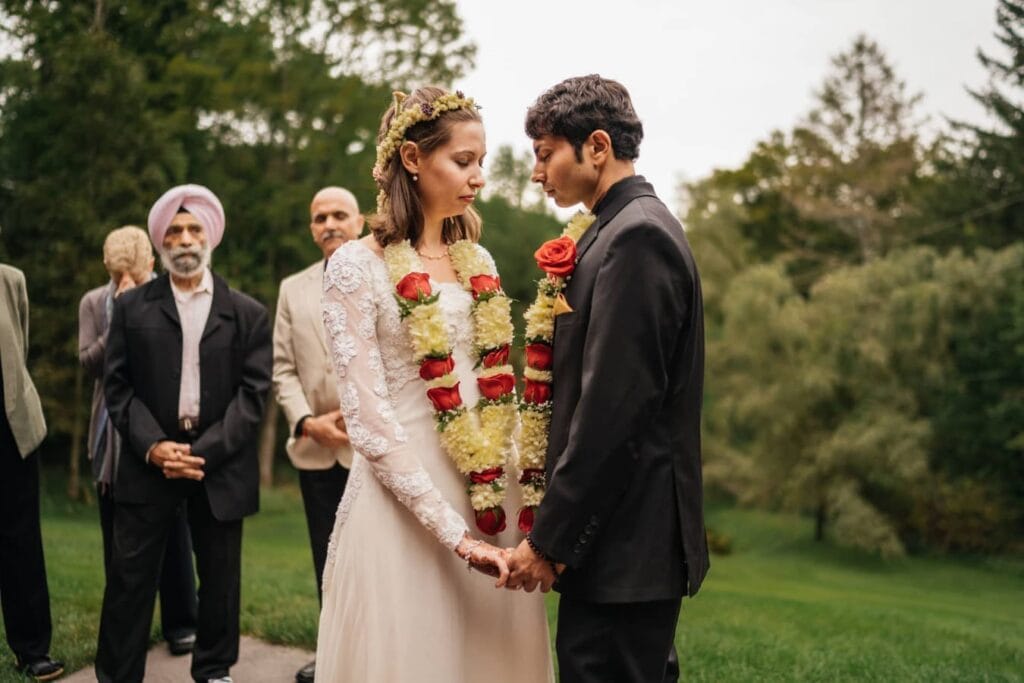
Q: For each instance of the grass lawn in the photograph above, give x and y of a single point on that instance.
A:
(779, 608)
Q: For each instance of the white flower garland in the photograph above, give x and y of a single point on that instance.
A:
(480, 448)
(535, 408)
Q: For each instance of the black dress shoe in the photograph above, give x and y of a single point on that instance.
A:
(307, 673)
(182, 645)
(42, 669)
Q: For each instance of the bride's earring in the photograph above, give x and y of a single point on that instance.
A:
(415, 178)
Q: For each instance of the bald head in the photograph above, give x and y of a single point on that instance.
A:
(334, 218)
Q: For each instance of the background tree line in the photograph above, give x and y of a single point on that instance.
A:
(865, 294)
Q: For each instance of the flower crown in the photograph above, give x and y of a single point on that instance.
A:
(402, 121)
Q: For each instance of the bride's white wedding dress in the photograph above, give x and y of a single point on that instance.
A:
(398, 604)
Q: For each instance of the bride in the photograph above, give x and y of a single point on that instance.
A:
(419, 332)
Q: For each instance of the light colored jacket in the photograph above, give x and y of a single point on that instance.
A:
(304, 381)
(21, 401)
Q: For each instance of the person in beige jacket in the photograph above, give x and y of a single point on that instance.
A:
(23, 590)
(304, 381)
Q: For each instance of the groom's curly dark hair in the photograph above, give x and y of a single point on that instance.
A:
(578, 106)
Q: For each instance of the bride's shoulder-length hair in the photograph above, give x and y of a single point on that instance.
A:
(402, 218)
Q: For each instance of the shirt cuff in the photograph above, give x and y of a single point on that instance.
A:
(298, 426)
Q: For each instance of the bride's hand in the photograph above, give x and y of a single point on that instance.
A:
(485, 558)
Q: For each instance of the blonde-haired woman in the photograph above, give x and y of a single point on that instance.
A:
(419, 330)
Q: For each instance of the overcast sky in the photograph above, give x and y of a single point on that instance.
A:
(710, 78)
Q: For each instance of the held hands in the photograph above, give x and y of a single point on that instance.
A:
(529, 570)
(328, 429)
(176, 460)
(484, 558)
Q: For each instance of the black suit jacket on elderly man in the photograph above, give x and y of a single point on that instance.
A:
(143, 372)
(143, 386)
(623, 506)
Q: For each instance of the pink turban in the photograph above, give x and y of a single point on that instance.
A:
(195, 199)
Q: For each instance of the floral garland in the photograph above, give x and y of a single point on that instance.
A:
(401, 122)
(557, 258)
(481, 449)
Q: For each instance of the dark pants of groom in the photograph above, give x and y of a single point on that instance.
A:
(140, 537)
(624, 643)
(23, 590)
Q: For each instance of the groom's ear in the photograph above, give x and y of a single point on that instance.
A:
(599, 148)
(410, 155)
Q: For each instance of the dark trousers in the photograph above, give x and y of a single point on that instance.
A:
(179, 609)
(617, 643)
(23, 592)
(321, 493)
(140, 537)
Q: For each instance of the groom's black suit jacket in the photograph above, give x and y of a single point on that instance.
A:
(142, 382)
(623, 507)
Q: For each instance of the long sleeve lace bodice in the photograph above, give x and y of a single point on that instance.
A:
(372, 361)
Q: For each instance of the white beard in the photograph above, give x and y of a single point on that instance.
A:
(185, 264)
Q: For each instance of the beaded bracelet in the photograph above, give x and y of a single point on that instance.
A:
(541, 554)
(469, 553)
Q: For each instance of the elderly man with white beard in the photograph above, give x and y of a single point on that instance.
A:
(188, 364)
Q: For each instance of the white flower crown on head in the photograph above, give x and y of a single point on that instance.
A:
(402, 120)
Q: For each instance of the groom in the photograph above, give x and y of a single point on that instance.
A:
(621, 522)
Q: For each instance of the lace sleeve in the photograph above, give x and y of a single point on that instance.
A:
(350, 319)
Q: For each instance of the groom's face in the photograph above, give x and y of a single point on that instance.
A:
(563, 176)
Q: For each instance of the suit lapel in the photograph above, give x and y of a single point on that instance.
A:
(221, 309)
(160, 290)
(312, 291)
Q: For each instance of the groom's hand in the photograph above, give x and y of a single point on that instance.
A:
(529, 570)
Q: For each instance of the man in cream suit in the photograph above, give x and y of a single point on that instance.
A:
(23, 589)
(304, 381)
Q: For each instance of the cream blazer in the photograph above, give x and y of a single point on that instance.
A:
(303, 377)
(21, 401)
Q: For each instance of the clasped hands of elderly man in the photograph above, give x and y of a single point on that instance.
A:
(176, 460)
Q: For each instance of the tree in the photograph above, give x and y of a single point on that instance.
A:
(979, 201)
(841, 187)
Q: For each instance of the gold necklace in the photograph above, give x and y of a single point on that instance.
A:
(434, 258)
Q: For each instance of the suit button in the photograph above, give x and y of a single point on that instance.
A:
(577, 548)
(594, 520)
(590, 528)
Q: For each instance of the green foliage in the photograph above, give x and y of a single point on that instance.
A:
(839, 188)
(839, 403)
(851, 376)
(978, 195)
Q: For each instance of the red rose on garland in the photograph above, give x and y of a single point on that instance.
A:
(496, 386)
(432, 368)
(557, 256)
(486, 476)
(498, 356)
(491, 521)
(526, 518)
(538, 356)
(445, 398)
(483, 284)
(537, 392)
(414, 285)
